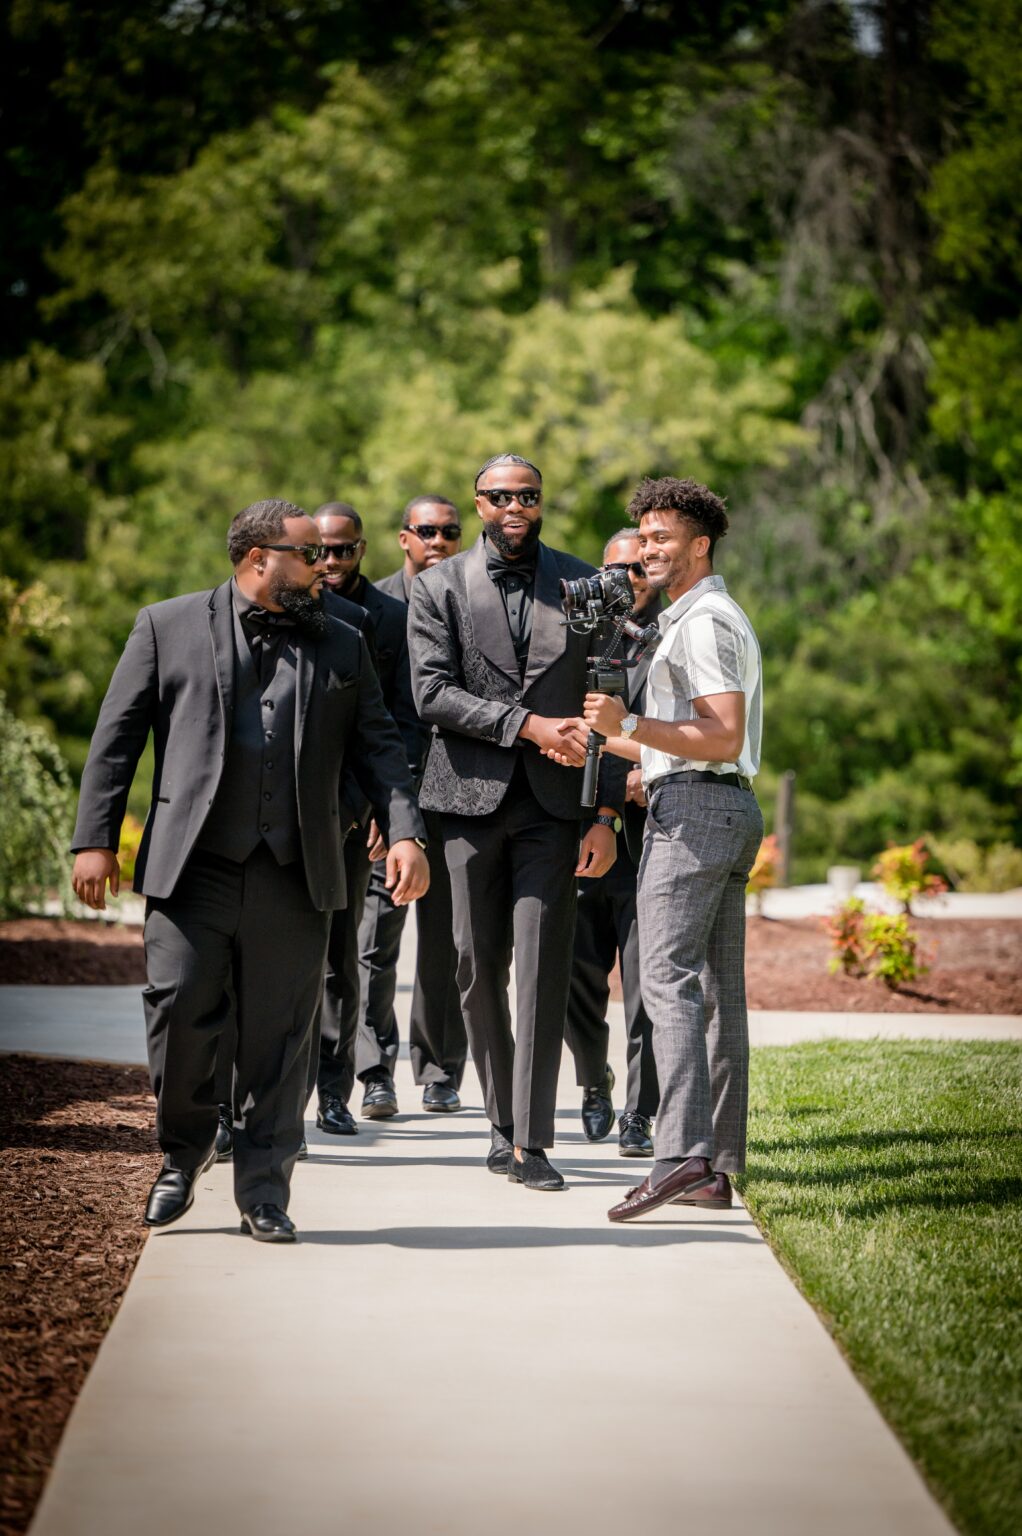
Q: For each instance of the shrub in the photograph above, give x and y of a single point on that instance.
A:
(845, 928)
(972, 868)
(892, 949)
(764, 872)
(36, 804)
(127, 853)
(902, 872)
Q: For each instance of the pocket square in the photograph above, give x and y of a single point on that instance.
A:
(333, 681)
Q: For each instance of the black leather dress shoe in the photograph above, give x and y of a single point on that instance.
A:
(501, 1151)
(224, 1134)
(535, 1170)
(173, 1192)
(268, 1224)
(438, 1099)
(334, 1116)
(598, 1108)
(379, 1101)
(634, 1138)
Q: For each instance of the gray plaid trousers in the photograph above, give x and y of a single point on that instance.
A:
(700, 843)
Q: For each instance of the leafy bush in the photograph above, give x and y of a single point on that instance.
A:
(903, 873)
(845, 928)
(892, 949)
(972, 868)
(764, 872)
(36, 804)
(127, 853)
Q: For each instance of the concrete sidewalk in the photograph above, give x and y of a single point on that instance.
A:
(105, 1024)
(444, 1352)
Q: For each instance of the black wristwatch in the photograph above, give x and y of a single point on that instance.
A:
(613, 822)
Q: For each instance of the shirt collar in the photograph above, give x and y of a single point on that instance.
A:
(680, 607)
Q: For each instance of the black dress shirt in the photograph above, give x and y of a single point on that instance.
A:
(516, 581)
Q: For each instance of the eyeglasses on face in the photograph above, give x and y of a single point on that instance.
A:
(346, 551)
(501, 498)
(312, 554)
(449, 532)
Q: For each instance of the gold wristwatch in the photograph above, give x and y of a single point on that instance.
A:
(628, 726)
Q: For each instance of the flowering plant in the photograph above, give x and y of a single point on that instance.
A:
(903, 873)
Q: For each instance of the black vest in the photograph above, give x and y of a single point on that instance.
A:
(257, 796)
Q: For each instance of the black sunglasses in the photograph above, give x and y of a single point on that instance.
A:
(501, 499)
(342, 551)
(449, 531)
(312, 554)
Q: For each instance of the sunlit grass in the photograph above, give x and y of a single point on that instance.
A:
(888, 1178)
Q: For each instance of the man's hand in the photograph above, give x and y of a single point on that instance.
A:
(564, 741)
(374, 842)
(634, 791)
(604, 712)
(93, 867)
(407, 872)
(597, 853)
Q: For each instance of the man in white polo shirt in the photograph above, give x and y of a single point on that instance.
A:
(699, 746)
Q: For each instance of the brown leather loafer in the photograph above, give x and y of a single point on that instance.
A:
(694, 1173)
(714, 1197)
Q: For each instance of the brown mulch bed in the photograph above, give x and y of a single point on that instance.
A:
(976, 965)
(77, 1157)
(48, 951)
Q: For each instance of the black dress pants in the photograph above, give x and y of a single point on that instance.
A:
(606, 926)
(250, 929)
(436, 1033)
(333, 1068)
(513, 890)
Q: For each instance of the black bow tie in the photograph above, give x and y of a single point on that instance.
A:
(516, 570)
(267, 623)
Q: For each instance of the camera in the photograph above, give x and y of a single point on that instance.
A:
(589, 600)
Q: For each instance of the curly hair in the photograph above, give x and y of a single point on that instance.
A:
(258, 524)
(691, 502)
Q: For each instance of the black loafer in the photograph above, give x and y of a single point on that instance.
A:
(598, 1109)
(634, 1135)
(379, 1101)
(501, 1151)
(438, 1099)
(535, 1170)
(224, 1134)
(268, 1224)
(173, 1192)
(334, 1116)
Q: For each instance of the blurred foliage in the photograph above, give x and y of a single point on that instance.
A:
(969, 867)
(338, 249)
(36, 804)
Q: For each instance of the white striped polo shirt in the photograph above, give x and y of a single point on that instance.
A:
(708, 647)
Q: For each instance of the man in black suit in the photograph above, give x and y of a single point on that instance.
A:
(430, 533)
(606, 929)
(257, 701)
(346, 1048)
(499, 676)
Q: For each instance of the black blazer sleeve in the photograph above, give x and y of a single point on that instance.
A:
(125, 719)
(440, 695)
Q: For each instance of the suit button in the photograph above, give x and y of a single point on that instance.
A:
(269, 735)
(267, 703)
(269, 765)
(265, 827)
(518, 698)
(267, 795)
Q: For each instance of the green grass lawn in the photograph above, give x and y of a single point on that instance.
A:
(888, 1179)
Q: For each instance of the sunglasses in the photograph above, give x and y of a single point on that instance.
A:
(342, 551)
(312, 554)
(449, 532)
(501, 499)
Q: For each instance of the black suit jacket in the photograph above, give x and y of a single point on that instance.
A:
(176, 679)
(467, 684)
(394, 586)
(388, 623)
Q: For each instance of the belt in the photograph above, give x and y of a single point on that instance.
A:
(701, 776)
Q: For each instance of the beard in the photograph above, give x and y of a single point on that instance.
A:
(298, 603)
(509, 547)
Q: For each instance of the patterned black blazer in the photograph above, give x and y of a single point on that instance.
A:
(467, 685)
